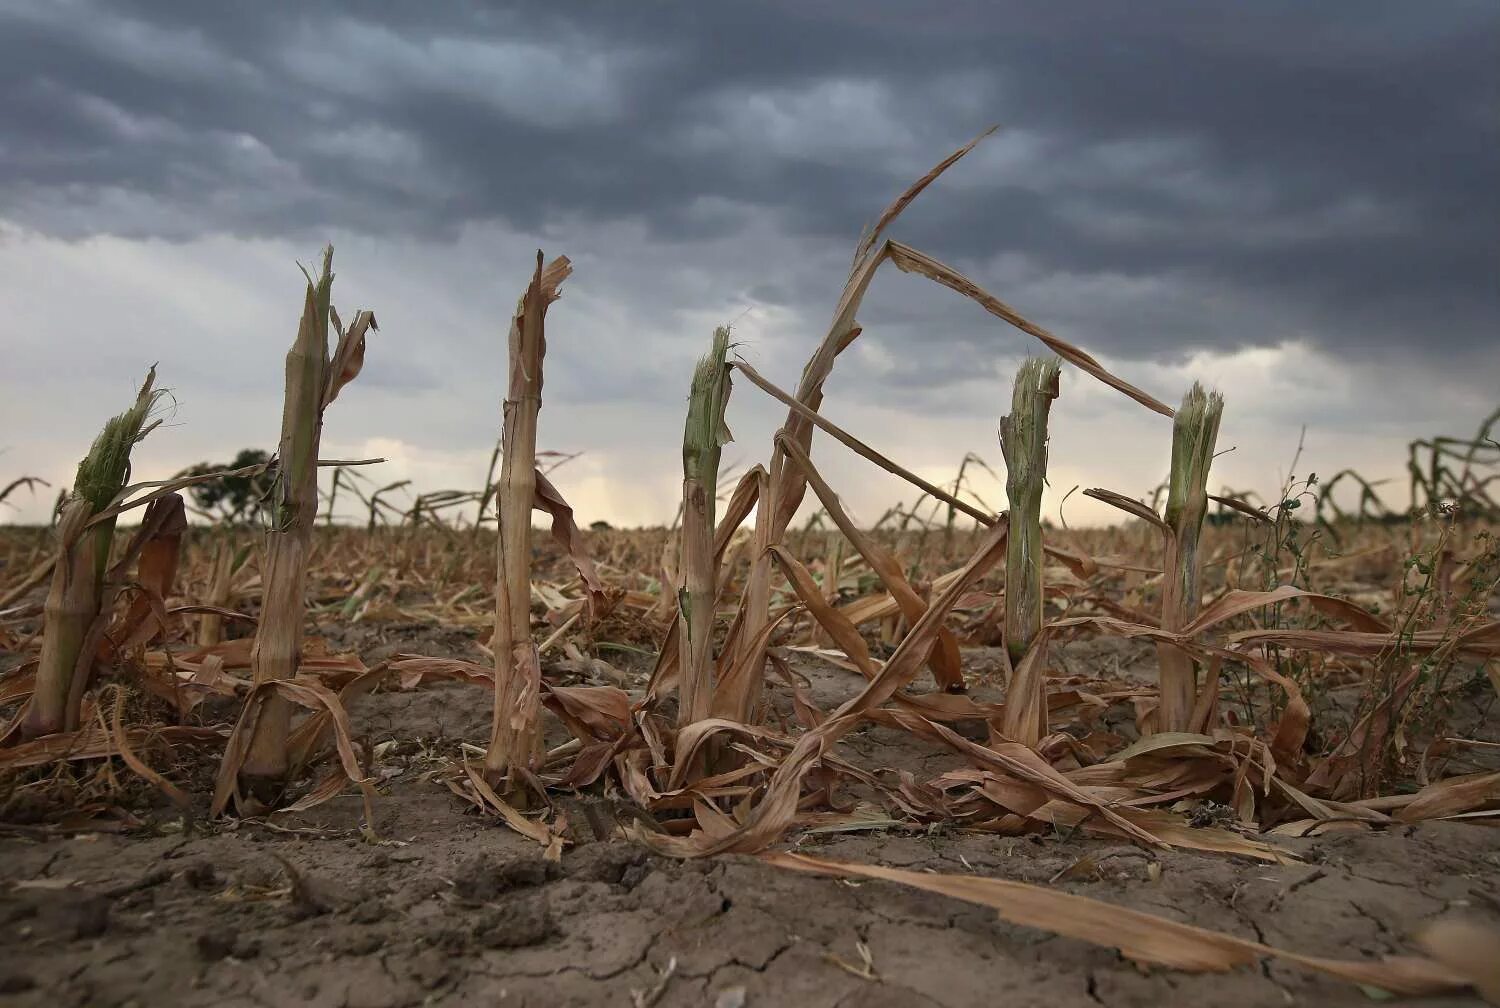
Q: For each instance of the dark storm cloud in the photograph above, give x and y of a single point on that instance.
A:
(1222, 175)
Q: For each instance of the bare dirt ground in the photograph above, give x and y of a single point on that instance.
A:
(446, 908)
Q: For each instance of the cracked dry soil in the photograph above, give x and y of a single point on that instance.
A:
(454, 910)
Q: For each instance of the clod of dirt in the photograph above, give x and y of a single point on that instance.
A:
(200, 875)
(358, 942)
(635, 874)
(223, 943)
(973, 729)
(75, 919)
(87, 918)
(731, 997)
(428, 970)
(615, 863)
(370, 911)
(145, 882)
(484, 877)
(15, 911)
(517, 923)
(310, 896)
(16, 983)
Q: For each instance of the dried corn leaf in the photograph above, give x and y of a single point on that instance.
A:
(94, 743)
(565, 532)
(1452, 797)
(1143, 937)
(157, 545)
(909, 260)
(944, 661)
(867, 242)
(485, 797)
(305, 692)
(1469, 948)
(777, 810)
(349, 354)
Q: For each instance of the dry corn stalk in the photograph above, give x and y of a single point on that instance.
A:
(1023, 440)
(211, 624)
(703, 438)
(313, 381)
(514, 733)
(159, 541)
(77, 593)
(757, 596)
(1194, 431)
(786, 488)
(744, 695)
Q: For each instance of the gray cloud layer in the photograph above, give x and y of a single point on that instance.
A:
(1173, 182)
(1337, 159)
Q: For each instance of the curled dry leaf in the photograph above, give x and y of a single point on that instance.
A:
(565, 532)
(302, 691)
(349, 354)
(121, 739)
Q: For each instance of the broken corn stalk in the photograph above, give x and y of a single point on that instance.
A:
(313, 380)
(1023, 440)
(703, 438)
(515, 730)
(77, 591)
(1194, 431)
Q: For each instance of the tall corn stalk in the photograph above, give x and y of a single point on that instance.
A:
(514, 733)
(703, 438)
(77, 591)
(1023, 441)
(1194, 431)
(313, 380)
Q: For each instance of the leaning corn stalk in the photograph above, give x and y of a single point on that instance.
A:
(514, 733)
(1194, 431)
(786, 489)
(313, 381)
(703, 438)
(1023, 440)
(77, 592)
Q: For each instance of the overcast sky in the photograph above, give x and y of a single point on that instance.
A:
(1296, 202)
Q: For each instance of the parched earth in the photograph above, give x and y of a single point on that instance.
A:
(462, 912)
(448, 909)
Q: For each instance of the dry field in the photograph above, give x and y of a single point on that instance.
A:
(1238, 750)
